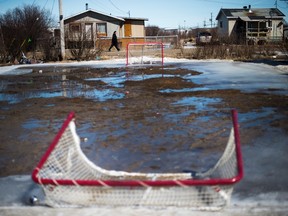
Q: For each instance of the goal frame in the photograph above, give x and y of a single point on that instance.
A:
(69, 178)
(145, 43)
(132, 183)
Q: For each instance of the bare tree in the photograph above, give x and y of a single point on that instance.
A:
(80, 45)
(152, 30)
(82, 42)
(21, 27)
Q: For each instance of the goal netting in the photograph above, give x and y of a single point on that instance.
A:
(146, 53)
(69, 178)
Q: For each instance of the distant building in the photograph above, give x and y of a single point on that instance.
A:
(285, 36)
(94, 26)
(251, 25)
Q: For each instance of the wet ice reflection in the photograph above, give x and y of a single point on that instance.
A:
(199, 103)
(66, 88)
(247, 77)
(118, 80)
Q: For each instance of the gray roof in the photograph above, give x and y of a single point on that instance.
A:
(106, 15)
(135, 18)
(96, 12)
(252, 14)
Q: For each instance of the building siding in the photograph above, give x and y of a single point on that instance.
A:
(246, 25)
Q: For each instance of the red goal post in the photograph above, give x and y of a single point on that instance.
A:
(137, 51)
(69, 178)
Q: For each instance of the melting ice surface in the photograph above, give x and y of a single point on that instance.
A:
(118, 79)
(69, 90)
(200, 103)
(248, 77)
(268, 150)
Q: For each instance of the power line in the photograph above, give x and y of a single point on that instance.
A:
(52, 6)
(105, 6)
(99, 6)
(117, 7)
(220, 2)
(286, 1)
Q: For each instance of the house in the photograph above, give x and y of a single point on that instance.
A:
(251, 25)
(93, 27)
(285, 33)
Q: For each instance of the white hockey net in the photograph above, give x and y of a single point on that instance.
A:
(70, 179)
(146, 53)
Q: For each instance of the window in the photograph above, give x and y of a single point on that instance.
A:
(269, 23)
(253, 26)
(75, 30)
(262, 26)
(221, 24)
(88, 31)
(101, 29)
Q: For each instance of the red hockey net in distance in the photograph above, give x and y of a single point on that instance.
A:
(145, 53)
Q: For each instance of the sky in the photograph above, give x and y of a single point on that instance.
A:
(163, 13)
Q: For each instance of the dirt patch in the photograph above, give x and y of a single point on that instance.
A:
(143, 119)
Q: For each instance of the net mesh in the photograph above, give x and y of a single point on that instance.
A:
(70, 179)
(144, 54)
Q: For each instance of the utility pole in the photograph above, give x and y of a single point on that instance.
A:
(211, 20)
(62, 36)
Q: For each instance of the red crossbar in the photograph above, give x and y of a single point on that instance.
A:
(137, 183)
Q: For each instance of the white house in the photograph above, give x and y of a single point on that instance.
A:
(95, 25)
(251, 25)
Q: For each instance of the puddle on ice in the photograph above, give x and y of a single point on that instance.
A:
(68, 89)
(71, 89)
(252, 119)
(32, 124)
(200, 103)
(115, 81)
(102, 95)
(119, 79)
(247, 77)
(35, 126)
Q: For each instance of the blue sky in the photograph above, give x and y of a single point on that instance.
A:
(163, 13)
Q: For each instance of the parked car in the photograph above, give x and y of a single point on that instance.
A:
(203, 38)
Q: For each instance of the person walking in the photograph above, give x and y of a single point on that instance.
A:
(114, 42)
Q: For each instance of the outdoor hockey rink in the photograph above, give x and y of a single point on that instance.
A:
(263, 191)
